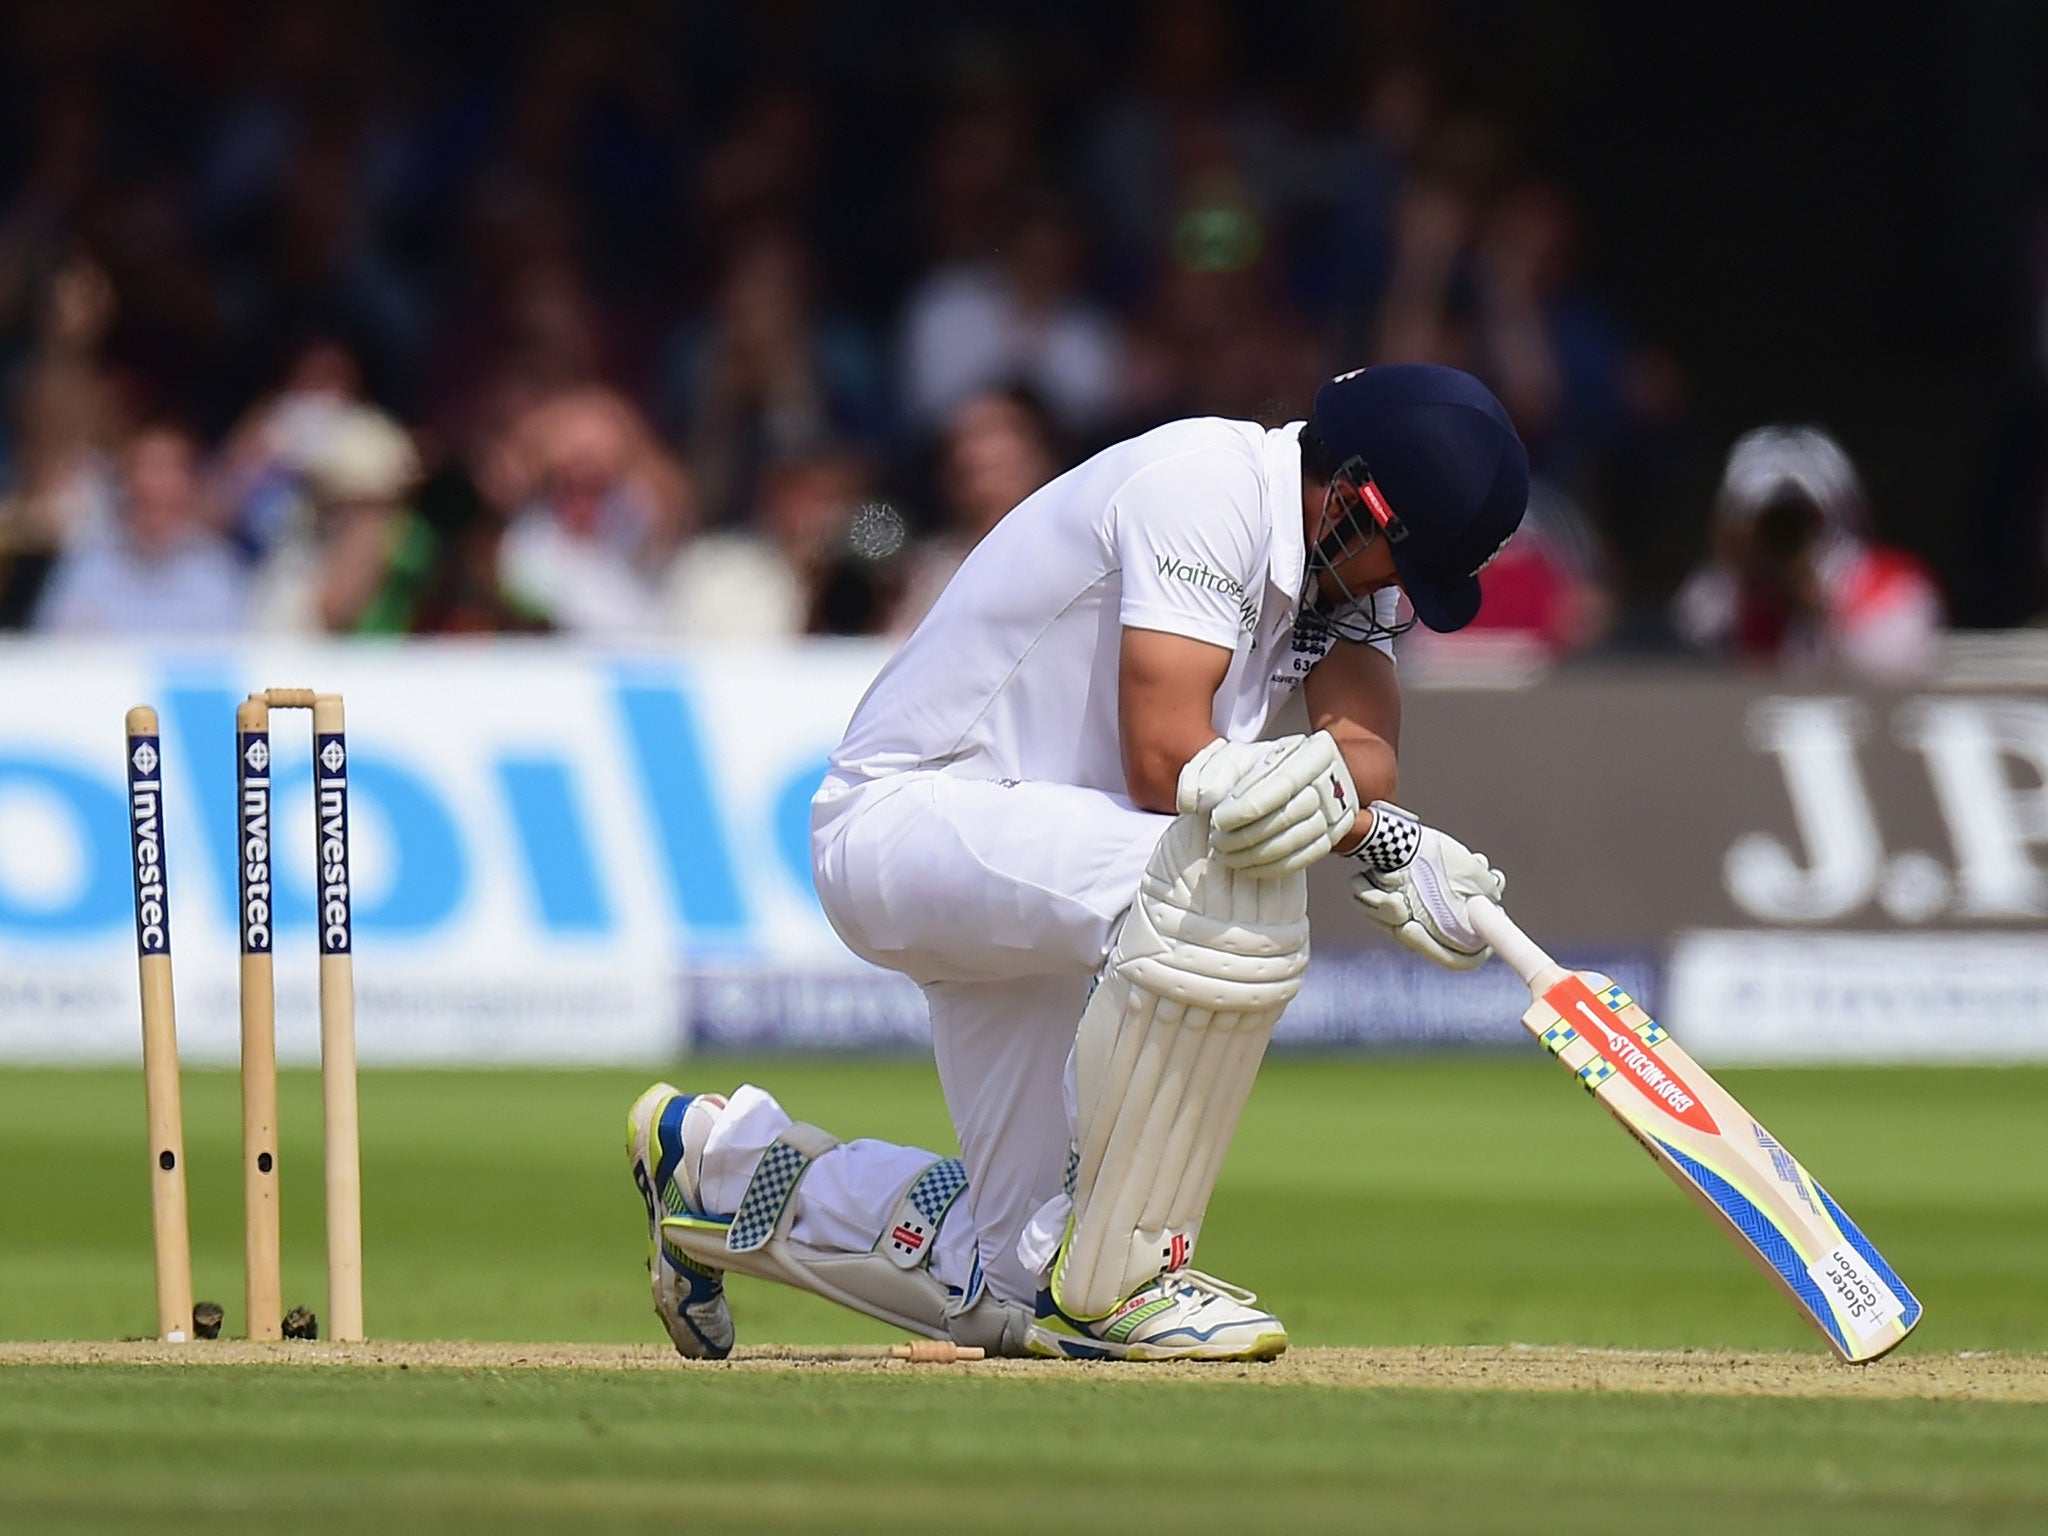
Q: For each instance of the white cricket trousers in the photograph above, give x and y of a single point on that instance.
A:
(1000, 899)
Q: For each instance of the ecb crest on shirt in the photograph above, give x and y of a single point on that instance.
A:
(1311, 642)
(1311, 634)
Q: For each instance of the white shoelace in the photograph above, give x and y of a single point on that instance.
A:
(1208, 1285)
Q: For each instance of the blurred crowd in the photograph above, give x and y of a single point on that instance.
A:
(620, 325)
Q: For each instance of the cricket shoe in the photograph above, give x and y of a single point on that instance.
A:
(665, 1135)
(1183, 1315)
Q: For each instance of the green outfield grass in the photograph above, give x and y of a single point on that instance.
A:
(1477, 1200)
(216, 1449)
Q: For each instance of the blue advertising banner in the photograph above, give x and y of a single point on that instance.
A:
(544, 839)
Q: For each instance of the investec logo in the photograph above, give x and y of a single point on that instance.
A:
(145, 817)
(256, 898)
(331, 795)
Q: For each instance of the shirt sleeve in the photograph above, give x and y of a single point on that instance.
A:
(1187, 532)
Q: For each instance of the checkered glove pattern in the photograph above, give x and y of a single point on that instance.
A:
(1415, 883)
(1392, 842)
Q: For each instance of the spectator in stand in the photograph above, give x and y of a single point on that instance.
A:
(161, 569)
(1425, 306)
(769, 238)
(601, 509)
(1486, 277)
(1183, 103)
(293, 181)
(974, 325)
(523, 325)
(1216, 341)
(1793, 579)
(763, 581)
(261, 475)
(1349, 264)
(1556, 355)
(354, 562)
(761, 178)
(463, 590)
(859, 587)
(65, 481)
(998, 449)
(979, 165)
(769, 378)
(1219, 337)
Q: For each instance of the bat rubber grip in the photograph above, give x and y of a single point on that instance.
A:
(1521, 952)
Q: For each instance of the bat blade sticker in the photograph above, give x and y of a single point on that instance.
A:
(1635, 1059)
(1862, 1299)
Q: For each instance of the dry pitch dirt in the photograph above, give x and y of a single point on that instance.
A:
(1516, 1368)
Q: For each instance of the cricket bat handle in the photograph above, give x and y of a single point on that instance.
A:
(1522, 953)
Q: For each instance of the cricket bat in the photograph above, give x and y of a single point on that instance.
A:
(1713, 1149)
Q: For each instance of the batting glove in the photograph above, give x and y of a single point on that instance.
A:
(1273, 806)
(1416, 883)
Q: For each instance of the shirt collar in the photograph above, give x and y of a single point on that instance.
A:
(1289, 560)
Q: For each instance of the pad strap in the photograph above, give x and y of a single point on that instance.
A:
(912, 1233)
(775, 1179)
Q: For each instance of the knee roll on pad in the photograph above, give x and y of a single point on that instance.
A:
(1164, 1060)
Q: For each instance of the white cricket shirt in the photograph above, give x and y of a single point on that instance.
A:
(1193, 528)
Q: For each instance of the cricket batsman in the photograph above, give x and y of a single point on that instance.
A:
(1058, 812)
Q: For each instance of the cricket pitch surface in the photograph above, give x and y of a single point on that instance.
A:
(1983, 1377)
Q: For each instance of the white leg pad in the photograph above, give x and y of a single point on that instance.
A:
(1164, 1060)
(892, 1284)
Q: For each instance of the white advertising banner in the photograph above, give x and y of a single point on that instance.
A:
(1773, 996)
(544, 840)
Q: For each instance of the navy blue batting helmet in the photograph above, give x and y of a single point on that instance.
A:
(1438, 467)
